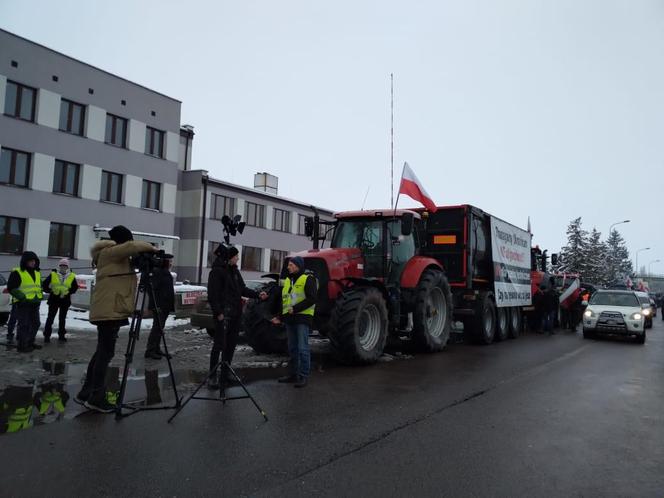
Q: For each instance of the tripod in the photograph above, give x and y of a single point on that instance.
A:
(144, 286)
(225, 366)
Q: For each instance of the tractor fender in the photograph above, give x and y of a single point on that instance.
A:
(411, 274)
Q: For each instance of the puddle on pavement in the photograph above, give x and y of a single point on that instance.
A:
(51, 398)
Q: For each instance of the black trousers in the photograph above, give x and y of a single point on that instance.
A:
(53, 310)
(226, 333)
(158, 323)
(95, 379)
(27, 318)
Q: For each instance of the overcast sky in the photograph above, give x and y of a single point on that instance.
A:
(547, 109)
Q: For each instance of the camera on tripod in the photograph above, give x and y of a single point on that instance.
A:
(148, 261)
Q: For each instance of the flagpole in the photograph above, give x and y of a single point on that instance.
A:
(399, 193)
(392, 141)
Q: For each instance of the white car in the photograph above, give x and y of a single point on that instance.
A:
(5, 301)
(614, 312)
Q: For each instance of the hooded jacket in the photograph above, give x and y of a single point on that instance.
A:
(226, 288)
(14, 281)
(113, 296)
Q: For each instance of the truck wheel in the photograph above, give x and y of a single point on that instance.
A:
(516, 322)
(259, 332)
(483, 324)
(432, 317)
(502, 324)
(359, 331)
(4, 318)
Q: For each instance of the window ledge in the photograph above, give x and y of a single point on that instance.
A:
(151, 210)
(123, 147)
(82, 135)
(65, 194)
(111, 202)
(20, 118)
(153, 155)
(2, 184)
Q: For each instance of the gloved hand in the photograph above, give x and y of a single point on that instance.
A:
(17, 294)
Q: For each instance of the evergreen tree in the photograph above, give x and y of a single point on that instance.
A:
(595, 268)
(618, 262)
(574, 254)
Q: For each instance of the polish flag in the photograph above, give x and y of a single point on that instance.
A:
(412, 187)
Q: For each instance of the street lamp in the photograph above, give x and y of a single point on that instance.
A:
(653, 261)
(618, 223)
(636, 270)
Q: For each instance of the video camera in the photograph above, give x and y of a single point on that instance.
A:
(147, 261)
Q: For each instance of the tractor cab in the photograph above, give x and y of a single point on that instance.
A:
(386, 240)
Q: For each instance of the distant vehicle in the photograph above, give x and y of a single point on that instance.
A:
(649, 310)
(614, 312)
(5, 301)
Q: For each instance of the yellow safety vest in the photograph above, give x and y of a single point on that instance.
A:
(29, 287)
(59, 288)
(290, 296)
(20, 419)
(51, 398)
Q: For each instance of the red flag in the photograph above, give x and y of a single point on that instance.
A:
(412, 187)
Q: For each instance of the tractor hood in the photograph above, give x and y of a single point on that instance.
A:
(339, 262)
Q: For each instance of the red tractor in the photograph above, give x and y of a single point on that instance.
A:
(373, 282)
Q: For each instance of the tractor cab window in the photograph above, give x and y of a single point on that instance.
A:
(366, 235)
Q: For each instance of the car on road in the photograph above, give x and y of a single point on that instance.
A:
(5, 301)
(649, 310)
(614, 312)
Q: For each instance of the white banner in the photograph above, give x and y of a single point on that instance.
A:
(511, 264)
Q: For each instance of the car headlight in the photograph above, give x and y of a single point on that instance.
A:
(636, 316)
(646, 312)
(588, 313)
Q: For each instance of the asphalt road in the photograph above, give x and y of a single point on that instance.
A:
(536, 416)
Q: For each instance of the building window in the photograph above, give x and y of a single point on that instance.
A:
(72, 117)
(111, 187)
(300, 224)
(61, 240)
(252, 258)
(116, 131)
(12, 233)
(151, 195)
(14, 167)
(154, 142)
(254, 214)
(212, 246)
(281, 220)
(65, 179)
(20, 101)
(222, 205)
(276, 260)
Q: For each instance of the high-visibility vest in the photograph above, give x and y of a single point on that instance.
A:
(51, 398)
(29, 287)
(61, 288)
(294, 294)
(20, 419)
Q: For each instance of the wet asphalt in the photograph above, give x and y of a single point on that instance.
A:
(535, 416)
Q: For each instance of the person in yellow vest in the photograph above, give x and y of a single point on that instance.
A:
(298, 304)
(60, 285)
(24, 285)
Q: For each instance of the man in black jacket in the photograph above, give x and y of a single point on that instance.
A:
(162, 282)
(298, 304)
(24, 285)
(60, 285)
(226, 288)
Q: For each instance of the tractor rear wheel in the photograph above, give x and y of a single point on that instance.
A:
(502, 324)
(516, 322)
(263, 336)
(359, 330)
(432, 317)
(483, 325)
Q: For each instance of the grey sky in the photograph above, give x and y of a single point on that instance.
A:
(547, 109)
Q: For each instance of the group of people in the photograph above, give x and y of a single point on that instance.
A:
(27, 290)
(547, 305)
(112, 304)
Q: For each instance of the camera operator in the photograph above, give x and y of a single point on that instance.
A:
(225, 291)
(112, 303)
(162, 282)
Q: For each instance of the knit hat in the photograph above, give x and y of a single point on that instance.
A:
(120, 234)
(232, 251)
(298, 261)
(64, 262)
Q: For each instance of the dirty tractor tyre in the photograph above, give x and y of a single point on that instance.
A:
(359, 330)
(263, 336)
(516, 322)
(483, 324)
(502, 324)
(432, 316)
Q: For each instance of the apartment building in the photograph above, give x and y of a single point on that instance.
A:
(82, 150)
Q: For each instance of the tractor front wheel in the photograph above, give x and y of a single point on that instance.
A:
(359, 330)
